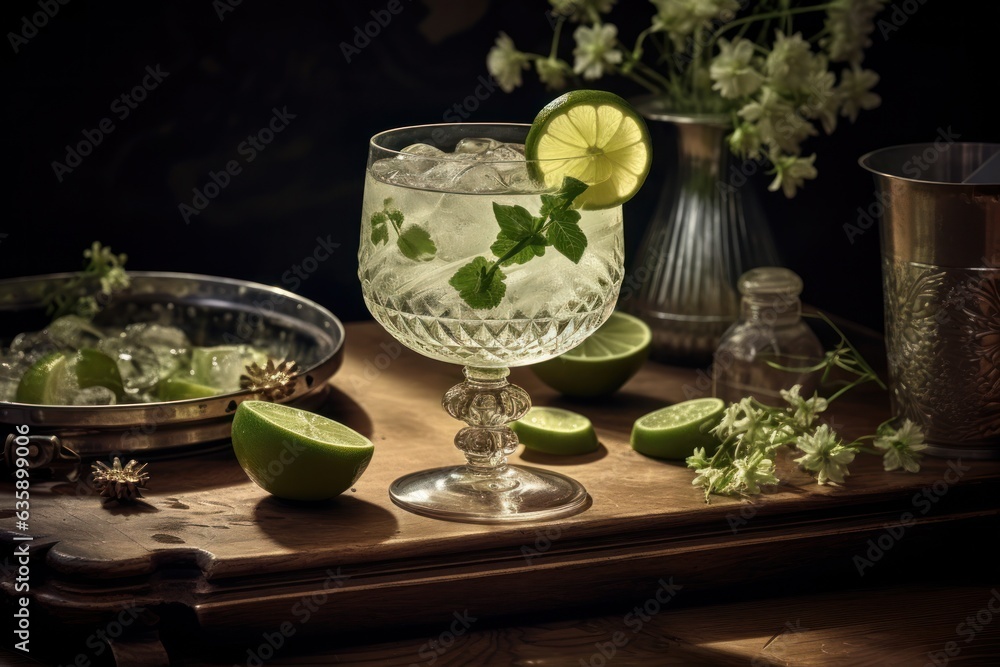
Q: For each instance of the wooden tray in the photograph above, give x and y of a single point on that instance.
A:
(233, 562)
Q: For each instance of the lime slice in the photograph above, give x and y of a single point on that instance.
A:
(601, 126)
(182, 388)
(296, 454)
(221, 366)
(674, 431)
(57, 377)
(555, 431)
(603, 362)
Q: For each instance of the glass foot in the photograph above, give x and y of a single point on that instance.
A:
(517, 493)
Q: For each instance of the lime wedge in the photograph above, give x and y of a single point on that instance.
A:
(296, 454)
(603, 362)
(96, 369)
(57, 377)
(182, 388)
(605, 129)
(555, 431)
(221, 366)
(673, 432)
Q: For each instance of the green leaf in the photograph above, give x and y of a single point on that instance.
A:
(503, 245)
(477, 287)
(416, 244)
(396, 217)
(571, 188)
(567, 237)
(515, 221)
(380, 233)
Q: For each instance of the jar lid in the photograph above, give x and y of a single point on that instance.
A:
(770, 280)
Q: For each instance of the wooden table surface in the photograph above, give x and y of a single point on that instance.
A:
(218, 566)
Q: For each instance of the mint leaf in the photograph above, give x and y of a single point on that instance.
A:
(415, 243)
(380, 233)
(515, 221)
(534, 247)
(478, 286)
(571, 188)
(566, 236)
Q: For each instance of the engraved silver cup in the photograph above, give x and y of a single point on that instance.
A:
(940, 235)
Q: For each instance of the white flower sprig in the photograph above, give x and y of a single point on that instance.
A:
(750, 434)
(728, 57)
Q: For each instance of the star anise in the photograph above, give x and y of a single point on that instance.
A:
(118, 483)
(272, 382)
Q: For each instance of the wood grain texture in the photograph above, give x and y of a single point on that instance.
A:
(240, 563)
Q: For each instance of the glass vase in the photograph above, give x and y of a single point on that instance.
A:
(708, 228)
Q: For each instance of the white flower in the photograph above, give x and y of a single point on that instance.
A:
(581, 10)
(824, 455)
(902, 447)
(848, 26)
(855, 93)
(505, 63)
(822, 101)
(752, 472)
(791, 172)
(777, 122)
(681, 18)
(745, 141)
(790, 63)
(552, 72)
(804, 411)
(595, 50)
(731, 70)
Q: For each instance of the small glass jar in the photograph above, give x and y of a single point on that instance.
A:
(770, 329)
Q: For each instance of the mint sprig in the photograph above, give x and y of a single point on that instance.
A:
(414, 242)
(521, 238)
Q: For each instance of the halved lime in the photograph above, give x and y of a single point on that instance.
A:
(555, 431)
(674, 431)
(296, 454)
(603, 362)
(57, 377)
(601, 126)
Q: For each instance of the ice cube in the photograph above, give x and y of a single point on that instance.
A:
(139, 365)
(475, 145)
(32, 346)
(12, 367)
(93, 396)
(72, 332)
(425, 150)
(479, 178)
(505, 153)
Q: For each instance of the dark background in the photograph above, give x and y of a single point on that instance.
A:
(938, 70)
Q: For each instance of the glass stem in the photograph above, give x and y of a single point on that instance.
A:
(487, 403)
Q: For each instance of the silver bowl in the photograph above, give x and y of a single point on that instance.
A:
(212, 311)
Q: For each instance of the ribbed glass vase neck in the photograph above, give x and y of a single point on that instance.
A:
(702, 147)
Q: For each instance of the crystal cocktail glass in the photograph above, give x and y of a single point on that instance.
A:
(437, 202)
